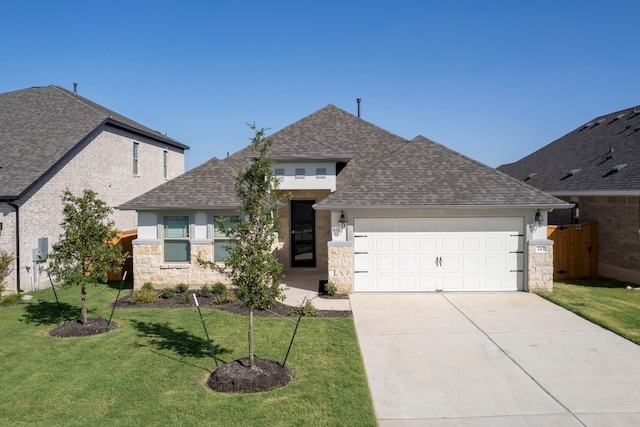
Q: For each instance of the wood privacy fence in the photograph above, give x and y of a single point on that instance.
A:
(125, 240)
(575, 250)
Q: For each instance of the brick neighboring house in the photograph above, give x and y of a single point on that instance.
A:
(369, 210)
(597, 167)
(52, 139)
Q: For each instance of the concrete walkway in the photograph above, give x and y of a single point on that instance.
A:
(303, 284)
(496, 359)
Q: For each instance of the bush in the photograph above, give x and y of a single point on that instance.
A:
(307, 310)
(206, 291)
(10, 300)
(330, 288)
(186, 298)
(219, 288)
(5, 267)
(168, 293)
(148, 286)
(224, 298)
(144, 296)
(182, 288)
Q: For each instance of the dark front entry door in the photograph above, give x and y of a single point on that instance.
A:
(303, 233)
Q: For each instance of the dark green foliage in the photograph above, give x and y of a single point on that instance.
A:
(6, 259)
(307, 310)
(10, 300)
(86, 251)
(219, 288)
(225, 297)
(168, 293)
(186, 297)
(181, 288)
(206, 291)
(147, 286)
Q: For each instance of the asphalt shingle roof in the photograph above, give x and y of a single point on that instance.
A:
(384, 170)
(40, 125)
(583, 160)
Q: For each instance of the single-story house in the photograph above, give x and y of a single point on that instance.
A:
(368, 210)
(52, 139)
(597, 167)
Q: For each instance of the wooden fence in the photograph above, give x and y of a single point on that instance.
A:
(575, 250)
(125, 240)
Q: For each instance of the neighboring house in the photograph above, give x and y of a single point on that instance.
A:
(52, 139)
(597, 167)
(369, 210)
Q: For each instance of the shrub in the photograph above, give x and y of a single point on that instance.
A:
(330, 288)
(219, 288)
(206, 291)
(167, 293)
(148, 286)
(144, 296)
(186, 298)
(10, 300)
(307, 310)
(182, 288)
(226, 297)
(5, 267)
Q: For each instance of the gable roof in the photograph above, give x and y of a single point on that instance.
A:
(427, 173)
(585, 160)
(40, 126)
(423, 173)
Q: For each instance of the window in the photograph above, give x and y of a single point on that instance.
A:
(321, 173)
(136, 147)
(165, 155)
(279, 172)
(300, 173)
(220, 240)
(176, 239)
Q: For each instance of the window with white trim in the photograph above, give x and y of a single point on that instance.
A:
(221, 240)
(165, 161)
(300, 173)
(321, 173)
(176, 238)
(136, 148)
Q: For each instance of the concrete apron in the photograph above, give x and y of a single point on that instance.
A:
(493, 359)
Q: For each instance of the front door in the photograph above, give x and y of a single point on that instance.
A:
(303, 233)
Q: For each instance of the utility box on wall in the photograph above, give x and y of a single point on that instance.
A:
(40, 254)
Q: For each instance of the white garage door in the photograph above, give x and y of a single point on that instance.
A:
(433, 254)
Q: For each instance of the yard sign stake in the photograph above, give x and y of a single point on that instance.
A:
(124, 276)
(294, 332)
(56, 295)
(213, 352)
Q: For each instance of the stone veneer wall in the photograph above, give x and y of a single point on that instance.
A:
(341, 265)
(149, 267)
(540, 267)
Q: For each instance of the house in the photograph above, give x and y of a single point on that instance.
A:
(596, 167)
(52, 139)
(368, 210)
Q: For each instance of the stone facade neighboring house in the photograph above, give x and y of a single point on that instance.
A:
(368, 210)
(597, 168)
(52, 139)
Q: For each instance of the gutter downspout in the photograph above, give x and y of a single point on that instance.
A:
(17, 208)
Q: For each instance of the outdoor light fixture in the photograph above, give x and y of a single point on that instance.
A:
(342, 221)
(538, 218)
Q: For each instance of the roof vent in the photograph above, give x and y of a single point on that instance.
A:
(528, 177)
(589, 125)
(598, 122)
(617, 168)
(573, 172)
(619, 116)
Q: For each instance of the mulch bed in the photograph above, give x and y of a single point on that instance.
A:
(279, 309)
(75, 328)
(238, 377)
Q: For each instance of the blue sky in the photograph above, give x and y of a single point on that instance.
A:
(493, 80)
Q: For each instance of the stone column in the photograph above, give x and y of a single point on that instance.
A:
(341, 265)
(540, 266)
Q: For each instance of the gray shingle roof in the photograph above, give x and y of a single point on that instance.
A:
(583, 160)
(39, 126)
(384, 170)
(208, 186)
(424, 173)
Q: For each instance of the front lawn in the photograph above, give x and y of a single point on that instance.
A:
(605, 302)
(152, 370)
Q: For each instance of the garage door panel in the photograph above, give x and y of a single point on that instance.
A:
(427, 254)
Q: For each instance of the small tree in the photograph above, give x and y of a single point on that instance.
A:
(6, 261)
(251, 265)
(85, 252)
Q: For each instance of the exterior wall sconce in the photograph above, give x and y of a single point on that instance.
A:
(342, 221)
(538, 218)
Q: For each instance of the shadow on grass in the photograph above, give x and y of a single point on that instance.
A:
(128, 284)
(48, 313)
(596, 282)
(164, 337)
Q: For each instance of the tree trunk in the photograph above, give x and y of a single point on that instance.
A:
(251, 362)
(83, 291)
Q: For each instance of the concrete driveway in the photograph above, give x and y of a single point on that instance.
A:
(495, 359)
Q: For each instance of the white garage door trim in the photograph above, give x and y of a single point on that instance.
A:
(438, 254)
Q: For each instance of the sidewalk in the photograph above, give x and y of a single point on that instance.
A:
(301, 284)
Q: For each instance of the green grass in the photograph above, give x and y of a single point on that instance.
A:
(152, 370)
(605, 302)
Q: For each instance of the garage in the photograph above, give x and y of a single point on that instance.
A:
(438, 254)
